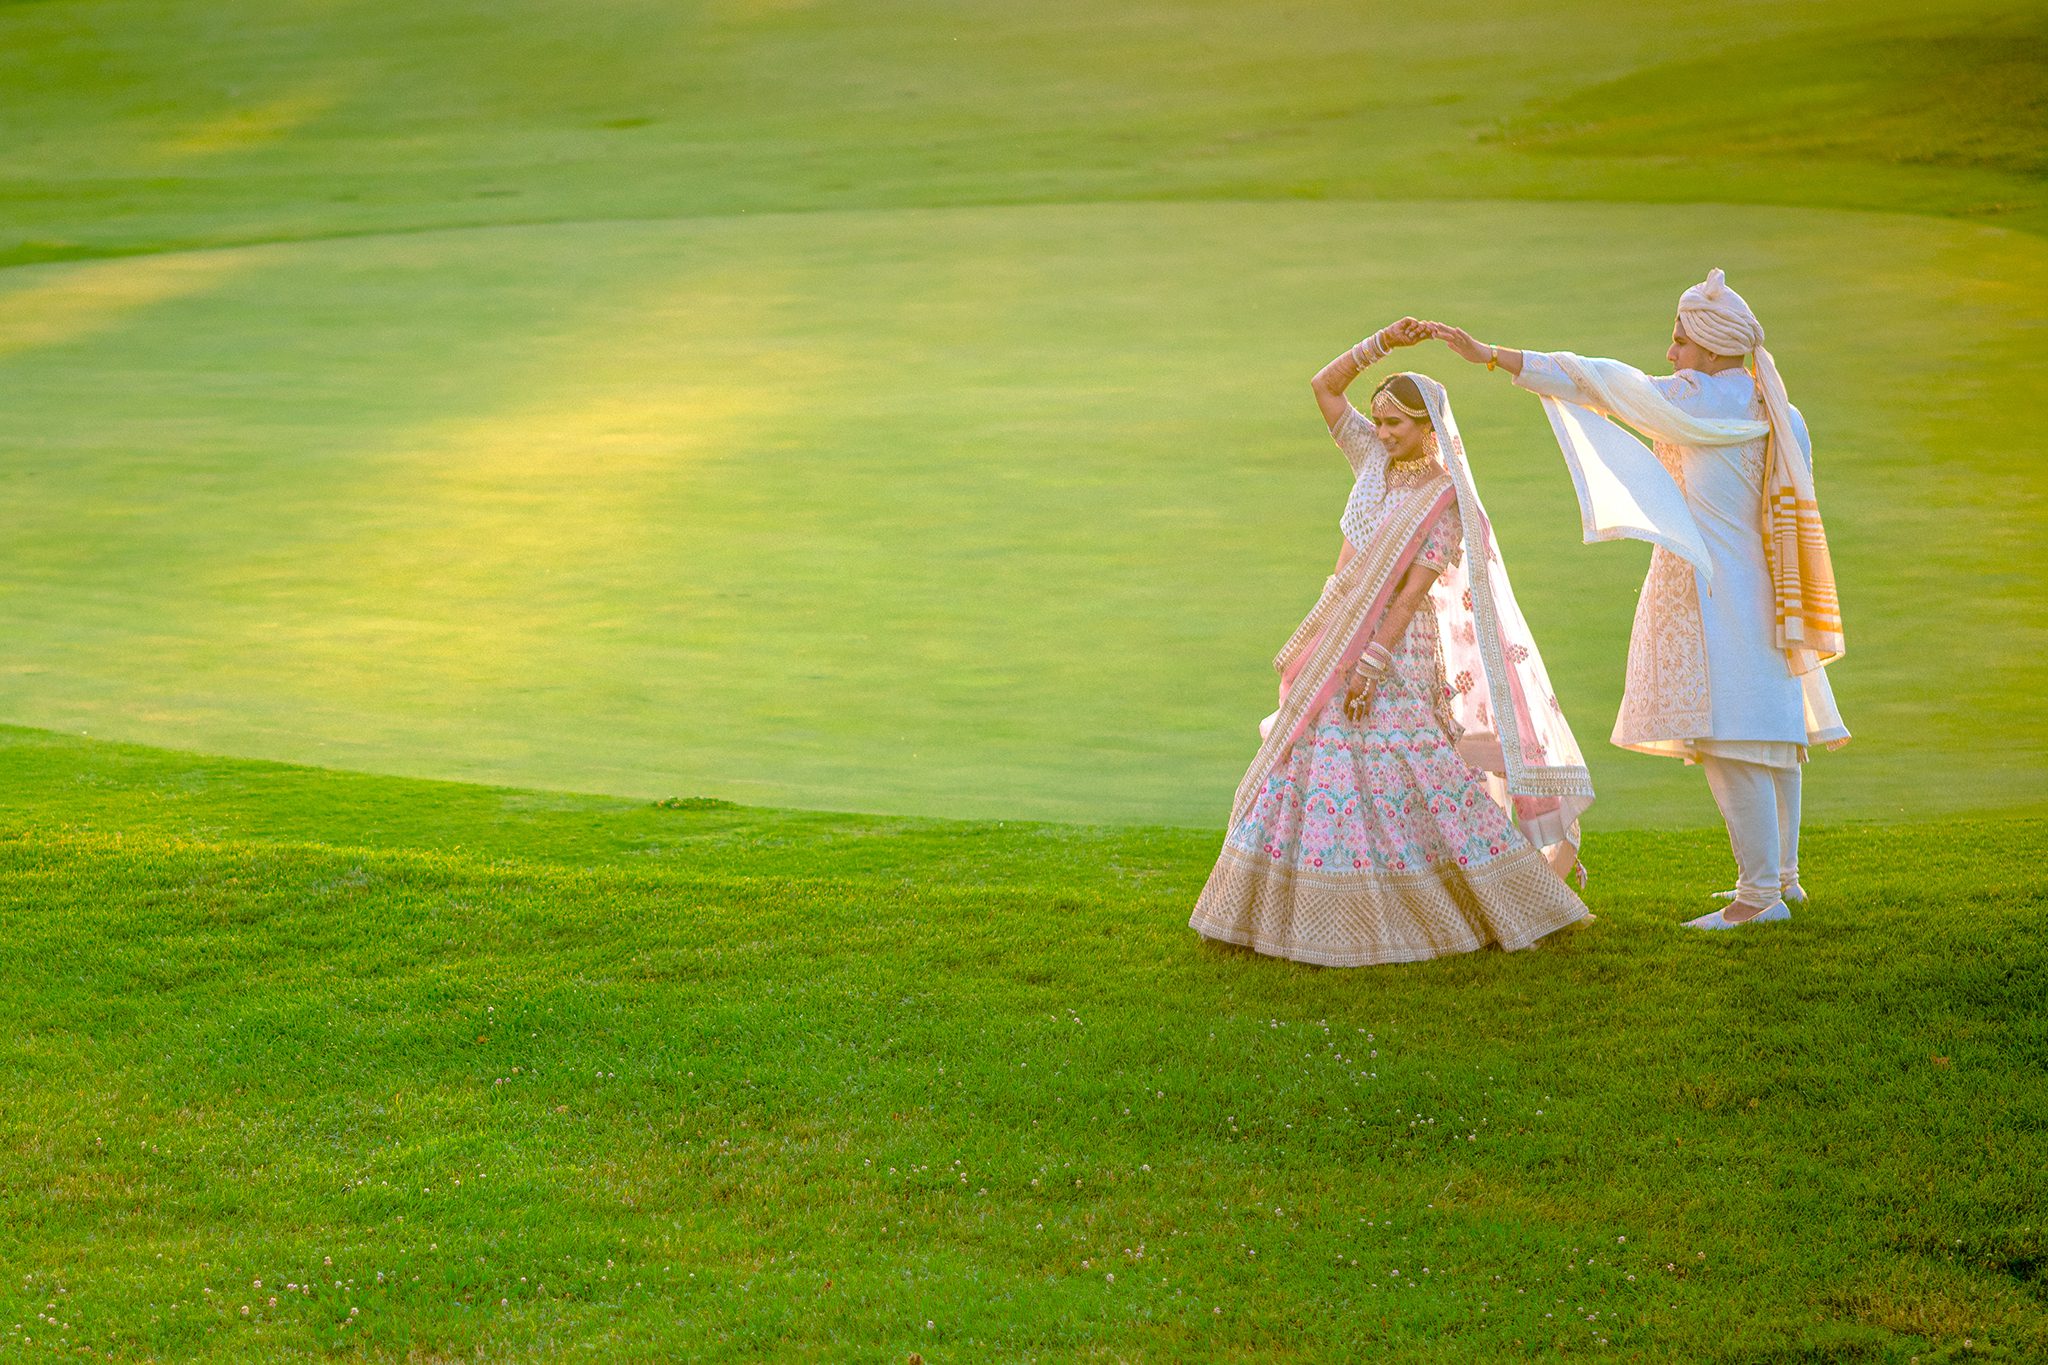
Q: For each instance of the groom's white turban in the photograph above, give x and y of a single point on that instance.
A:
(1716, 317)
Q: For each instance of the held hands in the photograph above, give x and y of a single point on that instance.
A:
(1415, 331)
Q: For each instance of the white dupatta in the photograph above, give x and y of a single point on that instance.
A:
(1500, 692)
(1624, 491)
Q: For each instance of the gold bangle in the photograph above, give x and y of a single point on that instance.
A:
(1492, 357)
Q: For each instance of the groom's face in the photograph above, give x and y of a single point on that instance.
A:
(1685, 353)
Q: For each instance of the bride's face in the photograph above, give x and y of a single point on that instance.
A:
(1401, 434)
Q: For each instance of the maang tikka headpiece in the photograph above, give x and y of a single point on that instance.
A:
(1385, 404)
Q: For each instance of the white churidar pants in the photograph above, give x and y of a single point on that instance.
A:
(1760, 806)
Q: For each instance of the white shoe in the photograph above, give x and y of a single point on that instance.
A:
(1716, 919)
(1794, 893)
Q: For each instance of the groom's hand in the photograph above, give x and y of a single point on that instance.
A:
(1460, 341)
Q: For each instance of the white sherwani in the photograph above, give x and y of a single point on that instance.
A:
(1704, 676)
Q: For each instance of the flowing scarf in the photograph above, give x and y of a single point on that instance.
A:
(1806, 607)
(1499, 694)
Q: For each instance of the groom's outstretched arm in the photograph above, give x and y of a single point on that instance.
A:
(1478, 352)
(1538, 372)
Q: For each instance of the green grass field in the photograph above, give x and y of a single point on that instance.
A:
(310, 1064)
(902, 408)
(905, 410)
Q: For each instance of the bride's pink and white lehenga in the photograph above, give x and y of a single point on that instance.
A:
(1441, 820)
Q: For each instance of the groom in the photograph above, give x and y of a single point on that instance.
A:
(1738, 617)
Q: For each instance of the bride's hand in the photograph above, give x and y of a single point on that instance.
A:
(1460, 341)
(1406, 332)
(1363, 679)
(1358, 694)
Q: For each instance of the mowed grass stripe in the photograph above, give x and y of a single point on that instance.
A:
(770, 1105)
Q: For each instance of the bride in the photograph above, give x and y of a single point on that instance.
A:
(1418, 791)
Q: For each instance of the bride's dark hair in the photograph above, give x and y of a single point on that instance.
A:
(1408, 394)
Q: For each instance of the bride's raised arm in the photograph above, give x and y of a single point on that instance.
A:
(1337, 376)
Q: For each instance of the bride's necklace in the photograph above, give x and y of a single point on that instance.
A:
(1413, 470)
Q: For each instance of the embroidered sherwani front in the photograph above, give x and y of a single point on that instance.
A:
(1704, 675)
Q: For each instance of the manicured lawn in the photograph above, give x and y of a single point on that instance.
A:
(903, 409)
(900, 407)
(499, 1072)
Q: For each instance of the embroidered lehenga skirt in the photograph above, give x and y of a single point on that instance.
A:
(1374, 841)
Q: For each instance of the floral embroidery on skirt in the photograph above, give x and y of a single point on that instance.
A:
(1375, 841)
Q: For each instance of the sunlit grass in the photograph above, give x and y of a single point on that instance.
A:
(249, 125)
(746, 454)
(63, 305)
(978, 512)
